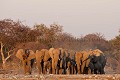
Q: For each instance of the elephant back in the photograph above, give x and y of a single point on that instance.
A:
(97, 52)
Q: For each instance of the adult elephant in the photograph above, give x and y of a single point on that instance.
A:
(58, 60)
(97, 62)
(85, 62)
(54, 54)
(27, 57)
(71, 63)
(78, 59)
(62, 60)
(43, 60)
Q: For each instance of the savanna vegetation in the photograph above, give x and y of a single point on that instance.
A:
(15, 35)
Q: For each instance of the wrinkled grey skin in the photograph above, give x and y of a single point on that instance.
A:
(62, 61)
(71, 64)
(97, 64)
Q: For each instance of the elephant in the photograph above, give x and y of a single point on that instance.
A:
(62, 60)
(58, 56)
(85, 62)
(97, 62)
(54, 54)
(71, 65)
(27, 57)
(43, 60)
(78, 59)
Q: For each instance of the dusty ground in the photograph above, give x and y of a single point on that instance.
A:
(14, 75)
(15, 72)
(59, 77)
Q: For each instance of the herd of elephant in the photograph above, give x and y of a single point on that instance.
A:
(61, 61)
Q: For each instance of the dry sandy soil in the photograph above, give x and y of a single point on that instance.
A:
(59, 77)
(16, 73)
(13, 75)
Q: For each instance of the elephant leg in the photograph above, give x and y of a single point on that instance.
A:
(92, 71)
(50, 67)
(99, 67)
(78, 68)
(53, 67)
(42, 66)
(64, 67)
(64, 71)
(95, 71)
(96, 68)
(45, 68)
(24, 67)
(91, 67)
(60, 71)
(87, 66)
(89, 71)
(103, 72)
(82, 67)
(68, 68)
(30, 70)
(29, 67)
(32, 62)
(39, 66)
(73, 69)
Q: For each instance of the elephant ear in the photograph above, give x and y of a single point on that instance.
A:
(31, 55)
(20, 54)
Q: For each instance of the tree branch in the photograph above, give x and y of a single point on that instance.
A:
(8, 57)
(9, 52)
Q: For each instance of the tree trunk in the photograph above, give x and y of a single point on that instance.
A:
(4, 64)
(3, 58)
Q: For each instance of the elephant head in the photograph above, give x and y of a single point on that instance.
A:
(27, 57)
(78, 59)
(43, 60)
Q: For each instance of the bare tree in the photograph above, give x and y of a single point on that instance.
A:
(3, 56)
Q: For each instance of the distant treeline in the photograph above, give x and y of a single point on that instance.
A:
(14, 34)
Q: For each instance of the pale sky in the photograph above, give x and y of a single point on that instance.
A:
(79, 17)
